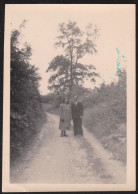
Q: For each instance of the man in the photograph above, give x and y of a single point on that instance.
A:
(77, 113)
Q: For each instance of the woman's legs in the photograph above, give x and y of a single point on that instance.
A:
(65, 133)
(62, 133)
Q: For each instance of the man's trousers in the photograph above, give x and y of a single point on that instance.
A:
(77, 124)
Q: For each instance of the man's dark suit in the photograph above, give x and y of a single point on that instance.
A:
(77, 113)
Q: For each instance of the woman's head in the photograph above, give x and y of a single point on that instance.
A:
(66, 100)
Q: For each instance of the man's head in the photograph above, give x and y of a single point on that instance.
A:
(82, 99)
(76, 98)
(71, 100)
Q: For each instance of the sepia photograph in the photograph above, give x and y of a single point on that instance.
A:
(69, 97)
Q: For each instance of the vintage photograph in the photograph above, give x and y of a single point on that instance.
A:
(68, 83)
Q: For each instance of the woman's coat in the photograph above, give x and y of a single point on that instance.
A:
(65, 116)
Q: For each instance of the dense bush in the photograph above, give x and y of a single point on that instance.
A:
(105, 116)
(26, 112)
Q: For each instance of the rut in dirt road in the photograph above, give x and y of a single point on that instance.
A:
(63, 160)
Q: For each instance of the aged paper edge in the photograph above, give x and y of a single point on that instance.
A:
(131, 131)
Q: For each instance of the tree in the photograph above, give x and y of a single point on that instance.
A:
(26, 113)
(25, 78)
(76, 44)
(60, 80)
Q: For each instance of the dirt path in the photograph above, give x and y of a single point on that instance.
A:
(52, 159)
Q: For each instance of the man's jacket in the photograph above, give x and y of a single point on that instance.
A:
(77, 110)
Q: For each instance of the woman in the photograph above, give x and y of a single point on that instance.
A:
(65, 117)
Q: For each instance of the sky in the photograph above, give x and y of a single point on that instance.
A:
(116, 23)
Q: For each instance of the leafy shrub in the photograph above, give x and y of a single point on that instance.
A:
(26, 112)
(105, 112)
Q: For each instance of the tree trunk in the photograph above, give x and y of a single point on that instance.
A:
(71, 78)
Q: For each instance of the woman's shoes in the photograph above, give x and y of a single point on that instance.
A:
(65, 135)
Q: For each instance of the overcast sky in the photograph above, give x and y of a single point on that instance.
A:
(115, 21)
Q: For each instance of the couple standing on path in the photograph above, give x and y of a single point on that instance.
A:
(68, 111)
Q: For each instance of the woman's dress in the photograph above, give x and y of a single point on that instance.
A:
(65, 117)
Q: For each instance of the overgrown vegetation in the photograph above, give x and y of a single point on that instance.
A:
(51, 102)
(105, 116)
(26, 112)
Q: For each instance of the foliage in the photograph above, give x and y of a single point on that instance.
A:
(105, 116)
(60, 81)
(76, 44)
(52, 98)
(26, 113)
